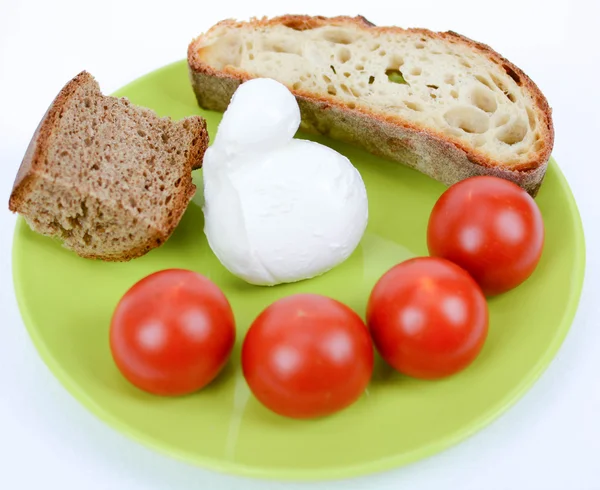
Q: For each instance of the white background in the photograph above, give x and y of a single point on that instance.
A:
(549, 440)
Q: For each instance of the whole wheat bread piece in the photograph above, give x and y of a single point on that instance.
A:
(441, 103)
(109, 179)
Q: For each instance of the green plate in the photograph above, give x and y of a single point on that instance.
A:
(67, 302)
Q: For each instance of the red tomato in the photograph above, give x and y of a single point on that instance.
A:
(491, 228)
(428, 318)
(172, 332)
(307, 356)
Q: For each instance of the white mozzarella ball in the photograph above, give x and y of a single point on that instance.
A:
(262, 113)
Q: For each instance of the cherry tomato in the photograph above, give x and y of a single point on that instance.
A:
(491, 228)
(172, 332)
(307, 356)
(428, 318)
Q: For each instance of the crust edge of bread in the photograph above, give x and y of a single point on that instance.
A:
(213, 89)
(37, 149)
(37, 145)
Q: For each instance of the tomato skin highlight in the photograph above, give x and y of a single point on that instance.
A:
(172, 332)
(307, 356)
(428, 318)
(491, 228)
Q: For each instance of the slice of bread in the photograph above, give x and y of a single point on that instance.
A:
(109, 179)
(438, 102)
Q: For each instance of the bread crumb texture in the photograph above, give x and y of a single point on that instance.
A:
(109, 179)
(441, 81)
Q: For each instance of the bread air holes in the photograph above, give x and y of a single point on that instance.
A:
(500, 84)
(433, 89)
(343, 55)
(484, 99)
(395, 62)
(393, 70)
(338, 36)
(531, 118)
(396, 76)
(281, 46)
(484, 81)
(501, 120)
(375, 47)
(512, 74)
(350, 90)
(512, 133)
(469, 119)
(421, 43)
(413, 106)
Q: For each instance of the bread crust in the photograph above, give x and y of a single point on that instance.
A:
(31, 171)
(38, 148)
(442, 157)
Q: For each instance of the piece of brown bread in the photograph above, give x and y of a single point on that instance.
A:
(441, 103)
(110, 179)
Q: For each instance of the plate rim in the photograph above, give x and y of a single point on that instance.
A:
(336, 472)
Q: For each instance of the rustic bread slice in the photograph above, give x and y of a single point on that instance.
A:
(438, 102)
(109, 179)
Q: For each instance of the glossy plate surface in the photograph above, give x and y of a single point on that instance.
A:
(67, 303)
